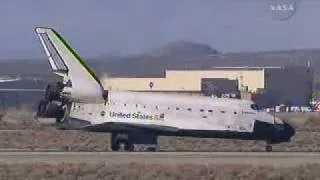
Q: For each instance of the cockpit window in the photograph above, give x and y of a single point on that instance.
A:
(255, 107)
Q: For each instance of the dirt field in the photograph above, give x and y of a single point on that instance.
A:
(305, 121)
(38, 137)
(153, 171)
(86, 141)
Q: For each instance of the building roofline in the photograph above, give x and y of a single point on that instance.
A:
(225, 67)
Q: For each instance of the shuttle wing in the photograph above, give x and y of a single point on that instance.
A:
(114, 126)
(141, 127)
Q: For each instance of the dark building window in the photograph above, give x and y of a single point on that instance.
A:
(218, 86)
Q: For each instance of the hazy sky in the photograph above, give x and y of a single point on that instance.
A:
(97, 27)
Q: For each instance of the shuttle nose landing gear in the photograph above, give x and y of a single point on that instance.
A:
(266, 144)
(280, 133)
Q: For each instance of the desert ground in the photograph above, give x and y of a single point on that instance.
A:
(66, 171)
(19, 130)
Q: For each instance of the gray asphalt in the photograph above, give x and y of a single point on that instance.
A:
(282, 159)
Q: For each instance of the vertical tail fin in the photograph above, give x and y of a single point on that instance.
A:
(64, 61)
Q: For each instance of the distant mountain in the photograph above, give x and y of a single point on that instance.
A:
(197, 56)
(175, 55)
(182, 49)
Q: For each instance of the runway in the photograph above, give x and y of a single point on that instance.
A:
(279, 159)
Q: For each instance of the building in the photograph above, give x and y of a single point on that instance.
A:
(291, 86)
(269, 85)
(190, 80)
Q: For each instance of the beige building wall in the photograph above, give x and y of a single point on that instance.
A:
(187, 80)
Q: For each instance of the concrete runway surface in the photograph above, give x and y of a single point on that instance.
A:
(282, 159)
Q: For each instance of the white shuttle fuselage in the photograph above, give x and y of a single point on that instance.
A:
(181, 112)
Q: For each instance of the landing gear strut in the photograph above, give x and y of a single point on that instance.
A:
(268, 147)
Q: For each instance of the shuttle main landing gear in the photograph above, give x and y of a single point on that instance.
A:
(131, 141)
(268, 148)
(120, 142)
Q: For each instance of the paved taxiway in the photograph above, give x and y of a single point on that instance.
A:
(285, 159)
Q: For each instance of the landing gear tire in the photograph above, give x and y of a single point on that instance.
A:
(269, 148)
(122, 146)
(151, 149)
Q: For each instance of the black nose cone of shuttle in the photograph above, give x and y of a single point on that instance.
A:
(282, 133)
(289, 131)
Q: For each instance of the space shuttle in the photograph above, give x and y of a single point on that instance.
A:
(79, 101)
